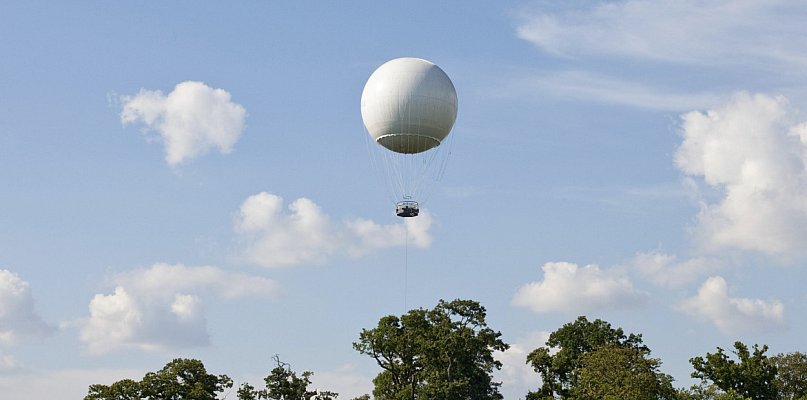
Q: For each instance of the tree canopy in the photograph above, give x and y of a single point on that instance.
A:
(752, 376)
(442, 353)
(448, 353)
(559, 362)
(611, 372)
(180, 379)
(791, 375)
(283, 384)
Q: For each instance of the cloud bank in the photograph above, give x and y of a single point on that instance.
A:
(190, 121)
(732, 315)
(303, 234)
(748, 160)
(161, 306)
(570, 289)
(19, 321)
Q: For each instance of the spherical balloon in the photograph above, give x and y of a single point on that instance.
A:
(409, 105)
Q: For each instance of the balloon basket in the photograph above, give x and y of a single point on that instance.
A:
(407, 209)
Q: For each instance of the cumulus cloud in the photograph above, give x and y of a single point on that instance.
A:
(303, 233)
(19, 320)
(190, 121)
(732, 315)
(516, 376)
(161, 306)
(666, 270)
(681, 31)
(748, 158)
(570, 289)
(345, 380)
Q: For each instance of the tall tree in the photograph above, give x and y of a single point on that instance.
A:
(791, 379)
(560, 360)
(753, 375)
(621, 373)
(442, 353)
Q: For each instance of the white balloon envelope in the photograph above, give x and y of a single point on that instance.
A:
(409, 106)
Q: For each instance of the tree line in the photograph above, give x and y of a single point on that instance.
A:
(447, 353)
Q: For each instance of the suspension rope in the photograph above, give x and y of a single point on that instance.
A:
(406, 263)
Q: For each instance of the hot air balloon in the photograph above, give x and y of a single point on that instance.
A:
(409, 106)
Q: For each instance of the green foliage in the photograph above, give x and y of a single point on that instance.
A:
(443, 353)
(706, 391)
(125, 389)
(180, 379)
(610, 372)
(283, 384)
(183, 379)
(559, 371)
(791, 380)
(753, 376)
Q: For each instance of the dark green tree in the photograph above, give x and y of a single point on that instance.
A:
(752, 375)
(180, 379)
(442, 353)
(610, 372)
(560, 360)
(791, 379)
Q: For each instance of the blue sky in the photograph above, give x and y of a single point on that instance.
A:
(186, 180)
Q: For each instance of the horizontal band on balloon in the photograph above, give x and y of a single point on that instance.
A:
(408, 144)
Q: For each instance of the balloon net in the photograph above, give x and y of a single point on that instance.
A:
(409, 176)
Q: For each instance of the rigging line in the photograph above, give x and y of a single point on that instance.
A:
(406, 263)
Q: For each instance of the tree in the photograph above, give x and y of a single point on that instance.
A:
(283, 384)
(443, 353)
(791, 380)
(180, 379)
(125, 389)
(611, 372)
(707, 391)
(753, 376)
(560, 360)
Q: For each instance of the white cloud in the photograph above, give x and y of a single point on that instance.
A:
(19, 321)
(518, 377)
(305, 234)
(681, 31)
(732, 314)
(666, 270)
(750, 156)
(191, 120)
(7, 363)
(344, 380)
(570, 289)
(161, 307)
